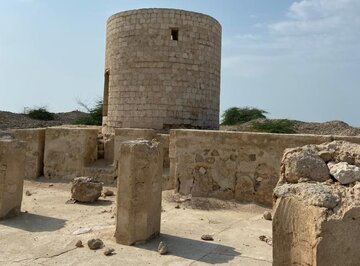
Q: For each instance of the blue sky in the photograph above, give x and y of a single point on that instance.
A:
(295, 59)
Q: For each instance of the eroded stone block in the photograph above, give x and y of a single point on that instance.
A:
(12, 172)
(35, 143)
(68, 150)
(139, 191)
(317, 219)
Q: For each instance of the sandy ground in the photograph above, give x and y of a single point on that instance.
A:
(43, 233)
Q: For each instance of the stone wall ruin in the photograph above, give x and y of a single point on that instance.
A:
(316, 220)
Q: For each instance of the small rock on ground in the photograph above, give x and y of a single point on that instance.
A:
(95, 244)
(28, 193)
(162, 249)
(207, 237)
(108, 193)
(267, 240)
(86, 189)
(267, 215)
(109, 251)
(79, 244)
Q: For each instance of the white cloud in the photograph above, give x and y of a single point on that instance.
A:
(320, 16)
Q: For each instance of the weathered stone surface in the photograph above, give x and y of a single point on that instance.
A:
(344, 173)
(34, 145)
(317, 223)
(316, 194)
(303, 163)
(85, 189)
(12, 173)
(139, 192)
(231, 165)
(342, 151)
(68, 151)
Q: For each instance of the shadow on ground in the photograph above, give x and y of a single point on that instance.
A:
(34, 223)
(197, 250)
(99, 202)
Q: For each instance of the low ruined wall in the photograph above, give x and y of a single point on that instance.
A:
(232, 165)
(34, 140)
(68, 151)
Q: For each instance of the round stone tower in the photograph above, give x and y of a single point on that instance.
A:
(162, 70)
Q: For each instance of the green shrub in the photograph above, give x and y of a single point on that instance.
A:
(40, 114)
(275, 126)
(236, 115)
(95, 115)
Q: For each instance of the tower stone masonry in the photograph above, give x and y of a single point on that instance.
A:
(162, 70)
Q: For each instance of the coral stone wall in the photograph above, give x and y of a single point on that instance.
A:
(162, 70)
(232, 165)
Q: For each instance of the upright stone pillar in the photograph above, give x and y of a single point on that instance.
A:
(12, 172)
(139, 191)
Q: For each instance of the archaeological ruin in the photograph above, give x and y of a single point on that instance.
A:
(162, 70)
(160, 150)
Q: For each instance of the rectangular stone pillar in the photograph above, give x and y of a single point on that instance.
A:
(12, 172)
(139, 191)
(34, 139)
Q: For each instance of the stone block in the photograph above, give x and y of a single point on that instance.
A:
(34, 143)
(139, 192)
(12, 172)
(126, 134)
(68, 150)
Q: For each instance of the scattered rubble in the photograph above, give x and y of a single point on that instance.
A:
(109, 251)
(108, 193)
(267, 240)
(86, 189)
(344, 173)
(162, 248)
(207, 237)
(267, 215)
(79, 244)
(95, 244)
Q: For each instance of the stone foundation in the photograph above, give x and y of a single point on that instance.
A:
(139, 192)
(12, 172)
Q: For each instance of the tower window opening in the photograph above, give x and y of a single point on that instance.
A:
(106, 92)
(174, 34)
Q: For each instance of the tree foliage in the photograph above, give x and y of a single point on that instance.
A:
(236, 115)
(40, 113)
(95, 114)
(275, 126)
